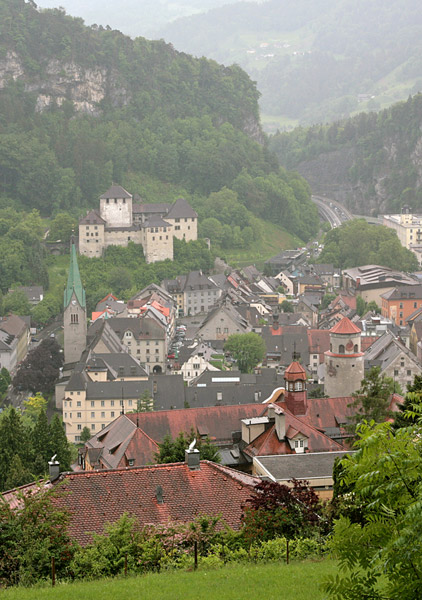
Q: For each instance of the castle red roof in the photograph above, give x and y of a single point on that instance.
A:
(345, 326)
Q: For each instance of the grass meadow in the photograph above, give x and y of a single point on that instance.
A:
(271, 581)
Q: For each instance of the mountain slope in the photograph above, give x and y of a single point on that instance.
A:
(371, 162)
(314, 60)
(81, 107)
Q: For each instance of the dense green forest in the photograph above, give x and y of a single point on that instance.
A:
(372, 161)
(314, 60)
(84, 106)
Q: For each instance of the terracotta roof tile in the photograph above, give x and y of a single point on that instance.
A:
(345, 326)
(95, 497)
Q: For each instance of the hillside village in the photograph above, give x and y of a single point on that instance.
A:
(137, 371)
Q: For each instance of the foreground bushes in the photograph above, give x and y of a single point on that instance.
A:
(123, 547)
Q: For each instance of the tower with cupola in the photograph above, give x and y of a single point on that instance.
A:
(296, 395)
(344, 361)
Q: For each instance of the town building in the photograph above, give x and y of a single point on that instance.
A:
(408, 227)
(401, 302)
(371, 281)
(394, 359)
(14, 339)
(344, 361)
(194, 293)
(121, 221)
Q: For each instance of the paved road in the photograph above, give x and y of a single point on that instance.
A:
(332, 211)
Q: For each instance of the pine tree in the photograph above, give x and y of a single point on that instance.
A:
(13, 441)
(59, 443)
(17, 474)
(41, 444)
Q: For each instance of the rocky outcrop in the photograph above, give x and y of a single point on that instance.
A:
(86, 88)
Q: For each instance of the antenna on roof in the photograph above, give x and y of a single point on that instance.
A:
(295, 355)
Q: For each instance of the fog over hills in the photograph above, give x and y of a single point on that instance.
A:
(133, 17)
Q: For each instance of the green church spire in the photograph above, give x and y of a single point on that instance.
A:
(74, 283)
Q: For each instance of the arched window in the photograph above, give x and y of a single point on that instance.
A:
(341, 349)
(355, 349)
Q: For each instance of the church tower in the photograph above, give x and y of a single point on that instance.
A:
(344, 362)
(74, 318)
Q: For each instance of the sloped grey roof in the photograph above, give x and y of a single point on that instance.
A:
(155, 221)
(300, 466)
(115, 191)
(92, 218)
(181, 209)
(158, 208)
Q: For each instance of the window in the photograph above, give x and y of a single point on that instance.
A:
(93, 415)
(130, 402)
(196, 366)
(396, 372)
(79, 415)
(77, 438)
(79, 427)
(355, 348)
(103, 415)
(341, 349)
(415, 305)
(177, 227)
(218, 330)
(131, 462)
(102, 403)
(112, 413)
(112, 403)
(74, 318)
(92, 426)
(298, 386)
(157, 350)
(409, 372)
(219, 395)
(92, 403)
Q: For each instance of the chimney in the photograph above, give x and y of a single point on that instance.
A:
(280, 423)
(192, 457)
(54, 468)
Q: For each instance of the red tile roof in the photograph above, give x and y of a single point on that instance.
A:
(95, 497)
(294, 370)
(345, 326)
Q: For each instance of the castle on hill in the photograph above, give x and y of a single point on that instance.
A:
(121, 220)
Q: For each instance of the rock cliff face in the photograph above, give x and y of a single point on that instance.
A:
(66, 81)
(336, 174)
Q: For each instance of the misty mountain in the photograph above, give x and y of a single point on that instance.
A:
(371, 162)
(314, 60)
(132, 17)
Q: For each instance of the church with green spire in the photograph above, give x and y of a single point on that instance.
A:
(74, 317)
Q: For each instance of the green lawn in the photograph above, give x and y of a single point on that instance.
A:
(297, 581)
(274, 240)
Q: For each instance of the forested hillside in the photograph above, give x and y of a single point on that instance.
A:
(81, 107)
(371, 162)
(314, 60)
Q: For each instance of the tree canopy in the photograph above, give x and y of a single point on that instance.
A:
(357, 243)
(247, 348)
(171, 451)
(380, 556)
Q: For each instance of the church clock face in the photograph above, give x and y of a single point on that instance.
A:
(74, 302)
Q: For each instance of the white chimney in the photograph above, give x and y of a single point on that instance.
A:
(280, 423)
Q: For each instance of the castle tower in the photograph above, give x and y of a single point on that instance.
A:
(116, 207)
(344, 362)
(74, 318)
(296, 396)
